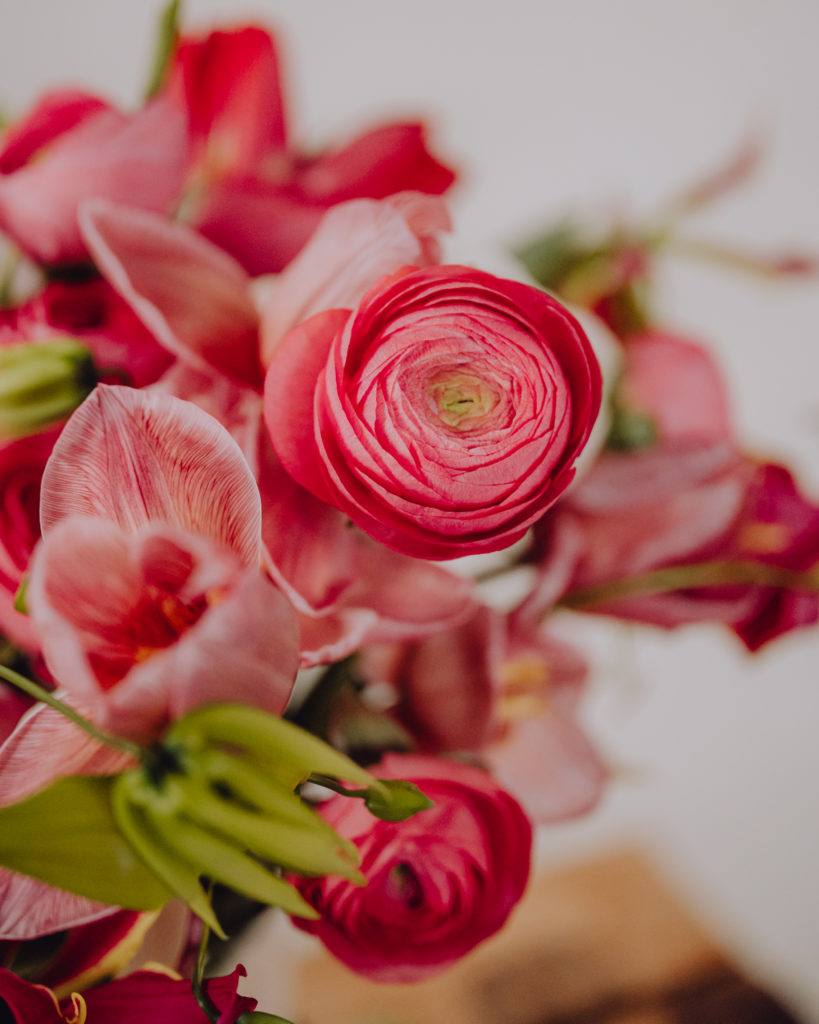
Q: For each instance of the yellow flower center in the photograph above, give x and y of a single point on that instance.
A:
(460, 399)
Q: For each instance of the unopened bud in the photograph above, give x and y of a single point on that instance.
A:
(42, 383)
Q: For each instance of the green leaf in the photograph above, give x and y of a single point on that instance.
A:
(400, 801)
(553, 255)
(66, 835)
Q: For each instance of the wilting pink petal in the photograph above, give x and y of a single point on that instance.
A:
(507, 695)
(191, 295)
(550, 766)
(142, 627)
(138, 458)
(355, 244)
(139, 159)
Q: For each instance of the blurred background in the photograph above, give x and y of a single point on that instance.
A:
(601, 109)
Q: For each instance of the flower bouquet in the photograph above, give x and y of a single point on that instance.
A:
(292, 508)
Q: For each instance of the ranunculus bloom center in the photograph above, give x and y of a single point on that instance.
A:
(460, 400)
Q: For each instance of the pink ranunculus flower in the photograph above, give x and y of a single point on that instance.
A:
(443, 414)
(437, 884)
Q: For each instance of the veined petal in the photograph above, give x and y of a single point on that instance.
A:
(138, 458)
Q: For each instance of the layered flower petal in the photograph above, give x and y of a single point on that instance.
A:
(355, 244)
(137, 458)
(443, 415)
(438, 883)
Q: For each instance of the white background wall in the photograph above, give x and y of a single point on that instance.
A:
(603, 104)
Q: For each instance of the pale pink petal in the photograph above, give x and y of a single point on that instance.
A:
(678, 386)
(138, 458)
(245, 649)
(330, 637)
(141, 628)
(310, 549)
(45, 746)
(140, 160)
(355, 244)
(237, 408)
(190, 294)
(411, 596)
(549, 765)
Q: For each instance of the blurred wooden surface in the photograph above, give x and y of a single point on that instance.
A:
(599, 943)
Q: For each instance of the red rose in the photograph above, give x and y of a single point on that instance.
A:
(443, 415)
(438, 883)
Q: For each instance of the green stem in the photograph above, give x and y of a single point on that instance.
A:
(197, 981)
(329, 783)
(713, 252)
(39, 693)
(682, 577)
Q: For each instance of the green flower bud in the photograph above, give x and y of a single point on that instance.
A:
(396, 800)
(42, 383)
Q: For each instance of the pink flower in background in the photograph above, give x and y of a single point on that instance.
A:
(677, 386)
(777, 527)
(251, 191)
(507, 695)
(437, 884)
(443, 414)
(93, 313)
(22, 463)
(72, 147)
